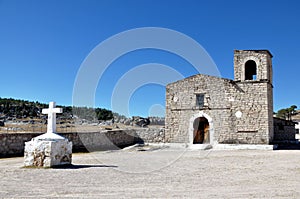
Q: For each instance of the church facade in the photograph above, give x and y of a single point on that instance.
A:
(203, 109)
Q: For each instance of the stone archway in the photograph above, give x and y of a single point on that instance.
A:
(200, 131)
(207, 125)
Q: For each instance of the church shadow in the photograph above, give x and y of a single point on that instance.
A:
(83, 166)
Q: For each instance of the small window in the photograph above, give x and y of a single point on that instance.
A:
(250, 70)
(200, 100)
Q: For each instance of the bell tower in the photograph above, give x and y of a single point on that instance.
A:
(253, 75)
(253, 65)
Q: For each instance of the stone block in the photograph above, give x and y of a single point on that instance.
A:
(47, 153)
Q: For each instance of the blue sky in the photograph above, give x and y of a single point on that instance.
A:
(43, 44)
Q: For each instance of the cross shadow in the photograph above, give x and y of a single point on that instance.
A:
(82, 166)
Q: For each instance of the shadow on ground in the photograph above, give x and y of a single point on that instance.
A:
(83, 166)
(293, 146)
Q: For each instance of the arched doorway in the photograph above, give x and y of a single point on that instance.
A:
(201, 131)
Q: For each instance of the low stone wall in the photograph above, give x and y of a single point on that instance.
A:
(284, 130)
(96, 141)
(150, 135)
(12, 144)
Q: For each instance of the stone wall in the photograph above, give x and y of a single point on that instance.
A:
(181, 106)
(224, 99)
(253, 100)
(149, 135)
(284, 130)
(12, 144)
(263, 60)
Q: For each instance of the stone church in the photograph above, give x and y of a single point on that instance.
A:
(203, 109)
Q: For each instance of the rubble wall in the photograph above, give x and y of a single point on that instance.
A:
(12, 144)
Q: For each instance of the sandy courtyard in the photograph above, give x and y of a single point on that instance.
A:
(159, 173)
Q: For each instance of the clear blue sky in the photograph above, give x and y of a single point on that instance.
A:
(43, 43)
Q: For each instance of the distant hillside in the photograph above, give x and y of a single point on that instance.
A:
(11, 109)
(16, 108)
(20, 108)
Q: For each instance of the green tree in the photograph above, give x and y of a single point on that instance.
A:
(286, 113)
(103, 114)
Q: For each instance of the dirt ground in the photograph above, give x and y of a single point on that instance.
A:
(150, 172)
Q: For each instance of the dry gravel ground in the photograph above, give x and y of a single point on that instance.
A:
(159, 173)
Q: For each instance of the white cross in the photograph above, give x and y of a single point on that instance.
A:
(51, 111)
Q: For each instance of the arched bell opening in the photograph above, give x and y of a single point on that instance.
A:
(250, 70)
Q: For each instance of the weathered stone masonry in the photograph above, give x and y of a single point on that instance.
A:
(237, 111)
(12, 144)
(284, 130)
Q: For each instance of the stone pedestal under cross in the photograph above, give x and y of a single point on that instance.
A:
(48, 149)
